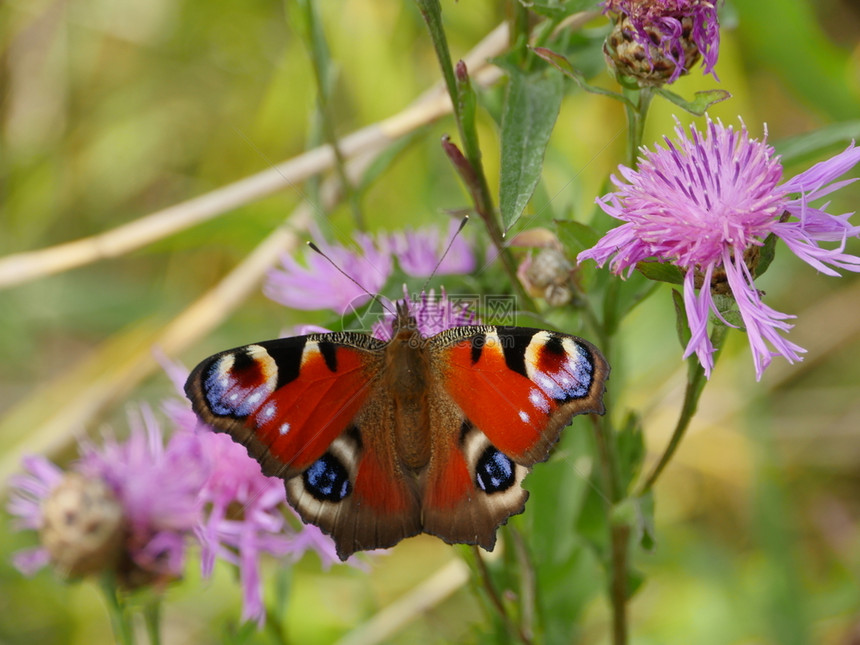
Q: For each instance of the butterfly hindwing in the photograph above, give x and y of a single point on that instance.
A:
(357, 493)
(471, 488)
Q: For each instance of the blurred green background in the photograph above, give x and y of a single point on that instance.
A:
(112, 110)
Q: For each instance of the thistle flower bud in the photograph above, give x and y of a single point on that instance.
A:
(548, 275)
(655, 42)
(648, 63)
(82, 526)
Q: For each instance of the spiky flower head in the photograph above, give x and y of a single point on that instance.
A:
(422, 251)
(82, 526)
(130, 507)
(322, 283)
(656, 41)
(706, 203)
(432, 314)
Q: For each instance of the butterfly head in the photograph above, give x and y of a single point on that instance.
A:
(405, 320)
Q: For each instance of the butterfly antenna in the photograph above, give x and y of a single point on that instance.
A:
(463, 223)
(373, 296)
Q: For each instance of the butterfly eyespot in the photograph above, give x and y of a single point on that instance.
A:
(562, 368)
(494, 471)
(236, 383)
(327, 479)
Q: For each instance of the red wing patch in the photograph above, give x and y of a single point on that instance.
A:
(513, 384)
(244, 393)
(449, 482)
(379, 485)
(507, 407)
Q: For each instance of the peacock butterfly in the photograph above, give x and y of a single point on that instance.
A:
(377, 441)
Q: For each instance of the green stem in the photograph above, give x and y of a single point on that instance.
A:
(120, 619)
(619, 532)
(620, 538)
(318, 49)
(637, 112)
(275, 627)
(528, 582)
(519, 30)
(152, 619)
(496, 600)
(695, 386)
(431, 11)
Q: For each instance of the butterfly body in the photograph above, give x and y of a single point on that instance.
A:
(378, 441)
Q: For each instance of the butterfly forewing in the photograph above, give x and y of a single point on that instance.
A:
(521, 386)
(278, 397)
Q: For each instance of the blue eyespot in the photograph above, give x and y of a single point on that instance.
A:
(327, 479)
(494, 471)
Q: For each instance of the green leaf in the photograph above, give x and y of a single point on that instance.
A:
(698, 105)
(630, 448)
(531, 108)
(576, 236)
(766, 254)
(661, 272)
(728, 308)
(624, 513)
(646, 534)
(591, 523)
(558, 490)
(562, 64)
(560, 10)
(681, 324)
(466, 108)
(813, 143)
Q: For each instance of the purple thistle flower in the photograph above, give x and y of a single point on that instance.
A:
(198, 485)
(419, 251)
(245, 519)
(155, 487)
(158, 486)
(320, 285)
(27, 492)
(670, 33)
(705, 203)
(432, 314)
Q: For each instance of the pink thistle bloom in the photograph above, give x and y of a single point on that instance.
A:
(419, 251)
(432, 314)
(658, 27)
(705, 200)
(320, 285)
(158, 486)
(26, 494)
